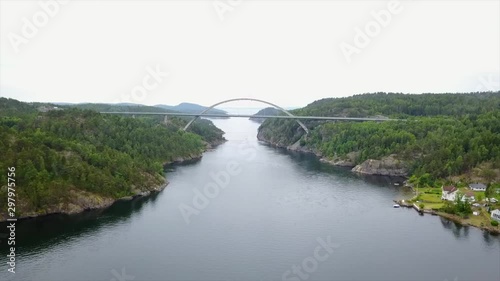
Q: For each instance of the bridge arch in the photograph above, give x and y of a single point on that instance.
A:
(247, 99)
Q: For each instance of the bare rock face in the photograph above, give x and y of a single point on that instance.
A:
(87, 201)
(298, 148)
(387, 166)
(338, 162)
(80, 201)
(347, 161)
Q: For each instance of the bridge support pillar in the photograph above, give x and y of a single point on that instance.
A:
(165, 119)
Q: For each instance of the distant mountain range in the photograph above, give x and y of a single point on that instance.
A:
(187, 107)
(182, 107)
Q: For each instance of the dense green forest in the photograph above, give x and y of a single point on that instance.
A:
(104, 107)
(202, 127)
(60, 151)
(442, 135)
(398, 105)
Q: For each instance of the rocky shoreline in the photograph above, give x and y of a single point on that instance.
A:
(387, 166)
(82, 201)
(214, 144)
(194, 157)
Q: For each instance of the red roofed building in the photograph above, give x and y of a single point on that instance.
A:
(449, 193)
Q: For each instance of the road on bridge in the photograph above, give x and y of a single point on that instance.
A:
(208, 115)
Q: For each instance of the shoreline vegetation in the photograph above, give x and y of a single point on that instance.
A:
(69, 160)
(481, 221)
(446, 139)
(89, 201)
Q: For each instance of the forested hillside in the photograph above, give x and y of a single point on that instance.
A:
(202, 127)
(63, 153)
(398, 105)
(190, 108)
(443, 135)
(106, 107)
(269, 111)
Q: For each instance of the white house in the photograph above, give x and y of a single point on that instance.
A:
(449, 193)
(495, 214)
(477, 187)
(469, 196)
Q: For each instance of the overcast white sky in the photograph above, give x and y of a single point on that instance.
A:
(286, 52)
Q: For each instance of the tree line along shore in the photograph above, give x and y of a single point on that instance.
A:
(446, 139)
(68, 159)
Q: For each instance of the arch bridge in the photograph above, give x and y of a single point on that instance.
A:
(287, 116)
(247, 99)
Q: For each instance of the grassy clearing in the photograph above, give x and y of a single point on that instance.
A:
(429, 190)
(479, 194)
(483, 218)
(433, 206)
(430, 198)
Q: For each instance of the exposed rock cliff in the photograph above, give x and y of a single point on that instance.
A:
(387, 166)
(348, 161)
(80, 201)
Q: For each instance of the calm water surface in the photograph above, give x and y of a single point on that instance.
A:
(268, 219)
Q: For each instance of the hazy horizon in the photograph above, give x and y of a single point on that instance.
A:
(287, 52)
(233, 108)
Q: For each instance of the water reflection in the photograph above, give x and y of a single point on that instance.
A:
(38, 235)
(310, 162)
(490, 239)
(45, 231)
(462, 231)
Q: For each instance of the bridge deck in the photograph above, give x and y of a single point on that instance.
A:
(248, 116)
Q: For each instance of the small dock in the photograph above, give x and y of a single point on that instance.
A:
(406, 204)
